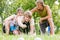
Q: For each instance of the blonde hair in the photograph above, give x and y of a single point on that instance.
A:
(28, 13)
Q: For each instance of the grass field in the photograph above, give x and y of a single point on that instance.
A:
(28, 37)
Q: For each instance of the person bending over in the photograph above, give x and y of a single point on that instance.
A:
(45, 16)
(26, 23)
(8, 22)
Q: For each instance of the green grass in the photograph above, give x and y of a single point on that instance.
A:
(28, 37)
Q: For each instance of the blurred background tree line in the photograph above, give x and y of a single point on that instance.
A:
(9, 7)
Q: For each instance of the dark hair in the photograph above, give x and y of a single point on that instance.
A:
(40, 1)
(20, 9)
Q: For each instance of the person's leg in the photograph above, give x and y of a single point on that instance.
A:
(7, 27)
(15, 32)
(14, 29)
(32, 29)
(4, 31)
(42, 26)
(51, 26)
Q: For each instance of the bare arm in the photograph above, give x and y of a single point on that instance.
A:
(33, 10)
(20, 22)
(32, 27)
(10, 17)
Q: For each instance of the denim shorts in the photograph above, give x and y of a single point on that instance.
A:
(12, 27)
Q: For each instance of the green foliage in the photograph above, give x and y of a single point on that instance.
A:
(9, 7)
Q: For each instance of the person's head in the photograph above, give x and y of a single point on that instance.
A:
(27, 16)
(39, 4)
(19, 11)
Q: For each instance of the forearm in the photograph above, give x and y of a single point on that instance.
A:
(21, 24)
(44, 18)
(32, 28)
(33, 10)
(9, 18)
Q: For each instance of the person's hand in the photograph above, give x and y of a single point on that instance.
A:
(41, 19)
(31, 33)
(24, 26)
